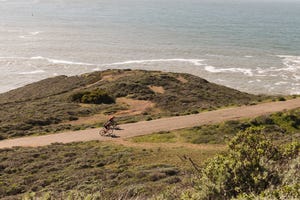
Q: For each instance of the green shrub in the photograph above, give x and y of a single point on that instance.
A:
(76, 97)
(96, 96)
(281, 99)
(251, 166)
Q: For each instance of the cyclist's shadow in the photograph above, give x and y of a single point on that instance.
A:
(114, 136)
(118, 128)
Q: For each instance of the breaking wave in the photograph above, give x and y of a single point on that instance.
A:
(32, 72)
(284, 77)
(55, 61)
(213, 69)
(292, 63)
(197, 62)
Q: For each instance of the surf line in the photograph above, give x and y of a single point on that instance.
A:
(197, 62)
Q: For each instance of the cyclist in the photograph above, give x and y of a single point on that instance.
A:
(109, 123)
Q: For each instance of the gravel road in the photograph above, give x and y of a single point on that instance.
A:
(164, 124)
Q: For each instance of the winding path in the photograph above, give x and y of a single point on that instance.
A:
(164, 124)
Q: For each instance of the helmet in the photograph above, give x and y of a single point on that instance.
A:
(112, 117)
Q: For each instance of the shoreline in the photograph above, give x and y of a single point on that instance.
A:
(39, 75)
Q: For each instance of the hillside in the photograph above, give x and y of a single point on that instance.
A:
(50, 105)
(260, 160)
(179, 164)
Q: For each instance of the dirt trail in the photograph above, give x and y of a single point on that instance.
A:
(164, 124)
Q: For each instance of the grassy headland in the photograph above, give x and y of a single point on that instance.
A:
(173, 165)
(55, 104)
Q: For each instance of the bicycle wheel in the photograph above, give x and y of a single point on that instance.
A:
(109, 132)
(103, 132)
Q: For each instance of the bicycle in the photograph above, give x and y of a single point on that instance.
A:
(108, 130)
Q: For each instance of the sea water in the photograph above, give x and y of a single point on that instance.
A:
(249, 45)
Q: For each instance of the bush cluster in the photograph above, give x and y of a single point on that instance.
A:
(87, 168)
(96, 96)
(253, 166)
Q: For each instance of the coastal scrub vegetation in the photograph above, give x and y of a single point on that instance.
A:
(260, 162)
(104, 170)
(51, 105)
(252, 167)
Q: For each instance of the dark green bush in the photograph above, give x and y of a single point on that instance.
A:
(262, 120)
(76, 97)
(96, 96)
(252, 165)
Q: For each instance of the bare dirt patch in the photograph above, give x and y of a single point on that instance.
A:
(136, 107)
(157, 89)
(182, 80)
(112, 76)
(109, 77)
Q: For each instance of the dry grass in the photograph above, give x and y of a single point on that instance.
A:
(151, 145)
(90, 120)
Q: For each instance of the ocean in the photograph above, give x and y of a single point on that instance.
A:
(249, 45)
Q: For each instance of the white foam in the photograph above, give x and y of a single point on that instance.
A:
(214, 55)
(296, 77)
(13, 57)
(292, 63)
(196, 62)
(35, 33)
(55, 61)
(220, 80)
(247, 56)
(213, 69)
(260, 70)
(50, 60)
(281, 83)
(263, 75)
(29, 35)
(32, 72)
